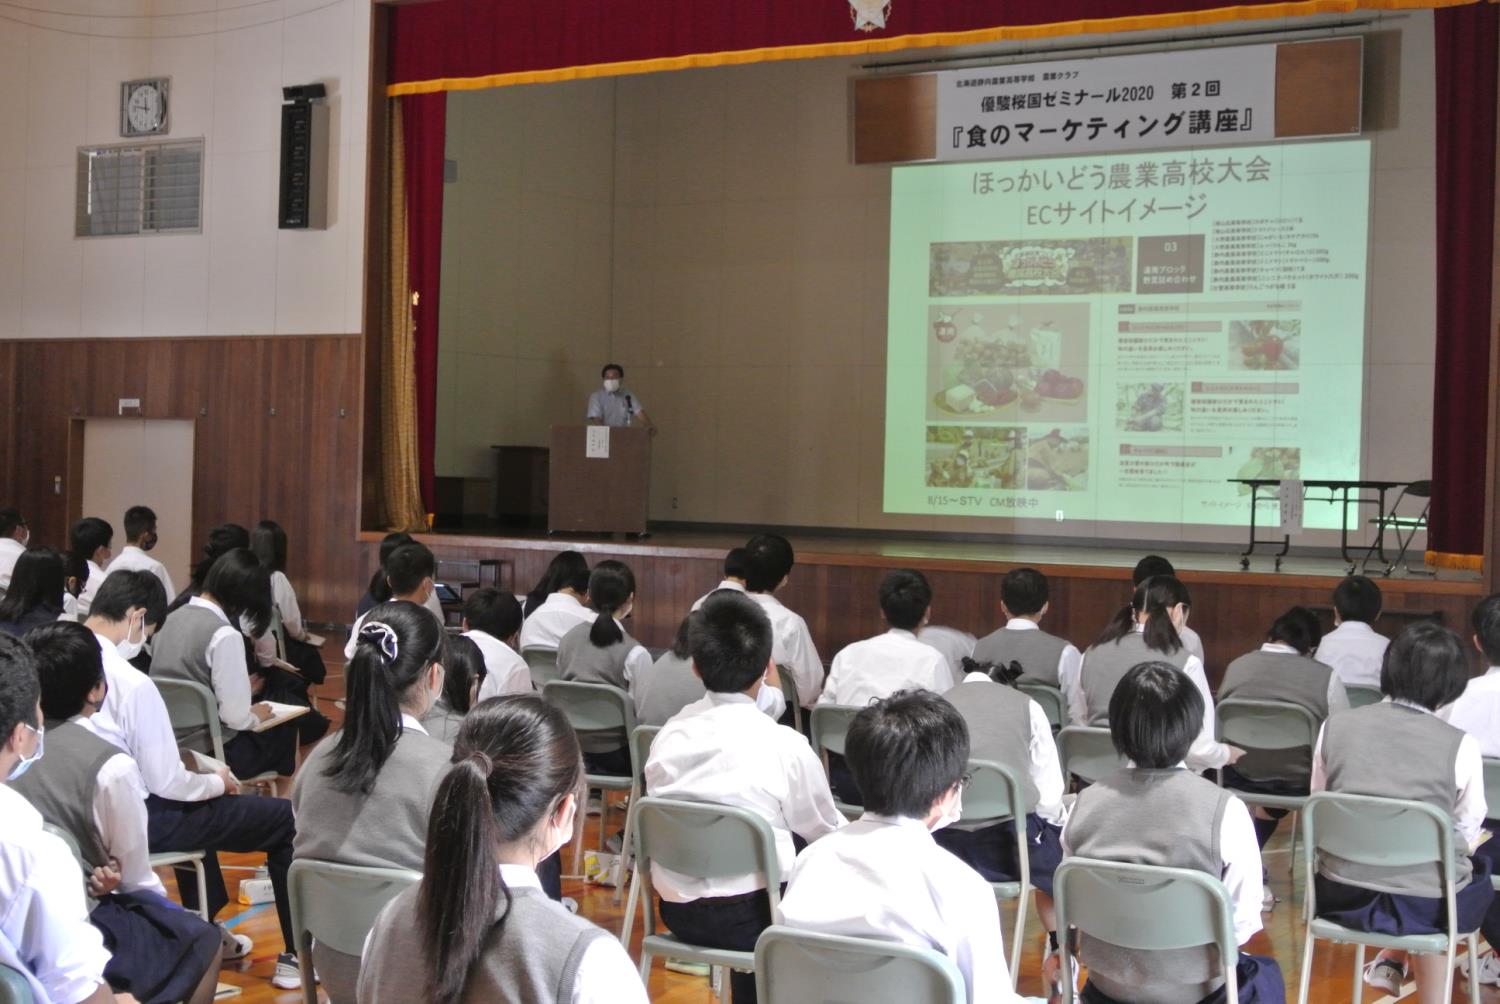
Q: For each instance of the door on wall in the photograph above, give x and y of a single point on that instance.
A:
(141, 461)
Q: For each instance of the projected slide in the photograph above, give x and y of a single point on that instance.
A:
(1114, 337)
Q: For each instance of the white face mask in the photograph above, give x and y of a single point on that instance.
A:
(952, 813)
(564, 835)
(24, 764)
(611, 385)
(130, 649)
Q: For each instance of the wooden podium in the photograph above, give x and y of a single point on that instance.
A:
(599, 494)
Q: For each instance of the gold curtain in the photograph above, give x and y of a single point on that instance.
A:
(401, 488)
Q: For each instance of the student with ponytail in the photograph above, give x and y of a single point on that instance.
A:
(600, 651)
(1147, 631)
(362, 797)
(478, 928)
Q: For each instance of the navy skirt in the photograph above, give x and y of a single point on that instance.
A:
(992, 851)
(158, 951)
(1260, 982)
(1400, 913)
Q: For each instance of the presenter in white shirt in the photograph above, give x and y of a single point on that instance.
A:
(14, 536)
(1353, 648)
(492, 621)
(140, 537)
(89, 541)
(769, 560)
(613, 405)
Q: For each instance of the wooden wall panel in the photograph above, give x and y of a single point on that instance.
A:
(277, 437)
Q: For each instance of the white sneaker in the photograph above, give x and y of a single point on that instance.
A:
(1385, 974)
(1489, 969)
(1267, 900)
(288, 975)
(236, 946)
(570, 904)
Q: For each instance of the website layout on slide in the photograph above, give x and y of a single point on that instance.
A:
(1116, 337)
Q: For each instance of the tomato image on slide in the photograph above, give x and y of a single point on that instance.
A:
(1265, 345)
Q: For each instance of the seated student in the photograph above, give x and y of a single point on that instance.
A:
(954, 644)
(769, 560)
(1477, 709)
(724, 749)
(221, 540)
(492, 620)
(1151, 566)
(1353, 648)
(883, 876)
(44, 929)
(363, 795)
(556, 606)
(201, 642)
(1043, 658)
(672, 684)
(1400, 748)
(478, 928)
(1146, 631)
(1157, 812)
(603, 652)
(736, 570)
(408, 575)
(35, 596)
(880, 666)
(268, 544)
(140, 537)
(89, 540)
(1283, 669)
(90, 789)
(186, 811)
(1009, 728)
(463, 675)
(379, 590)
(14, 535)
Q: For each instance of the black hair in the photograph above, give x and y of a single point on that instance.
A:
(681, 647)
(1155, 714)
(407, 566)
(1149, 567)
(494, 612)
(75, 573)
(604, 372)
(730, 641)
(1357, 599)
(10, 518)
(36, 581)
(139, 521)
(463, 668)
(1155, 598)
(380, 590)
(905, 751)
(611, 584)
(377, 683)
(1004, 673)
(241, 586)
(19, 689)
(88, 535)
(221, 540)
(904, 598)
(566, 570)
(1299, 628)
(268, 544)
(69, 665)
(515, 760)
(769, 559)
(130, 588)
(1426, 664)
(1486, 621)
(1023, 591)
(736, 563)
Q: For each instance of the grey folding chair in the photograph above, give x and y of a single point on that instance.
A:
(793, 700)
(14, 987)
(192, 706)
(1144, 908)
(543, 665)
(1390, 832)
(1051, 700)
(994, 795)
(706, 841)
(640, 752)
(1405, 525)
(1269, 725)
(830, 726)
(1088, 752)
(1361, 696)
(337, 904)
(803, 967)
(595, 707)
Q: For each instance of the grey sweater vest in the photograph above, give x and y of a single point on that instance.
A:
(1037, 651)
(179, 651)
(1152, 817)
(1395, 752)
(669, 687)
(533, 957)
(442, 722)
(580, 661)
(999, 720)
(1278, 676)
(62, 785)
(1104, 666)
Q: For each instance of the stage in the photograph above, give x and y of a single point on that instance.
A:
(834, 583)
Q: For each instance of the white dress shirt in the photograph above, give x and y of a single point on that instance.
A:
(230, 674)
(90, 588)
(10, 550)
(1477, 712)
(505, 672)
(1469, 808)
(878, 667)
(1192, 643)
(285, 598)
(559, 613)
(1355, 651)
(133, 559)
(1043, 766)
(884, 877)
(792, 648)
(134, 718)
(955, 645)
(1069, 667)
(724, 749)
(1338, 697)
(44, 918)
(734, 584)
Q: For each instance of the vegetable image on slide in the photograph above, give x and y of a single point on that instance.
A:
(1272, 463)
(1265, 345)
(1057, 462)
(964, 457)
(1008, 362)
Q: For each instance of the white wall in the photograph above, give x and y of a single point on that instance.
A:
(60, 74)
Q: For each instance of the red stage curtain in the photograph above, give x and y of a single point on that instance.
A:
(425, 119)
(1466, 87)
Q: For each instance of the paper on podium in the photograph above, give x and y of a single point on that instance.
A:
(596, 443)
(280, 714)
